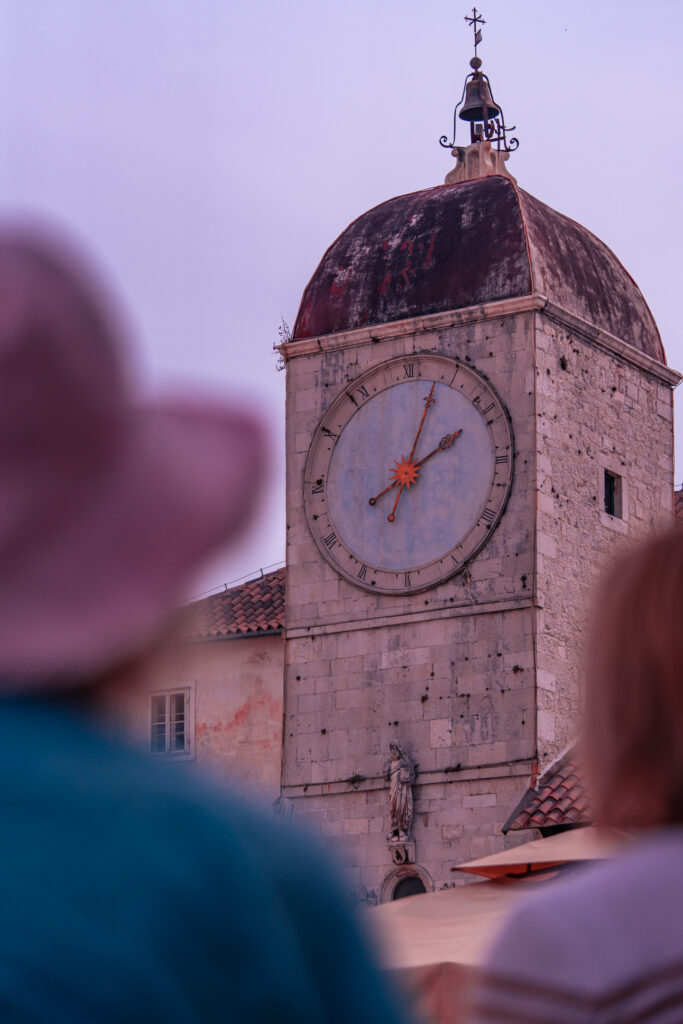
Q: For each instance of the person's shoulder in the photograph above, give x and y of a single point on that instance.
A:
(58, 753)
(240, 905)
(644, 867)
(596, 929)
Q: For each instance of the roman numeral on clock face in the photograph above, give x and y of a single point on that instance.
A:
(408, 370)
(477, 401)
(488, 515)
(328, 433)
(330, 541)
(362, 572)
(502, 460)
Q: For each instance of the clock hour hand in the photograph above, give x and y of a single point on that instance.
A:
(373, 501)
(445, 442)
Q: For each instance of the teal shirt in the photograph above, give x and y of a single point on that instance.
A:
(129, 893)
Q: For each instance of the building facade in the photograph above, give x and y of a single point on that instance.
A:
(213, 701)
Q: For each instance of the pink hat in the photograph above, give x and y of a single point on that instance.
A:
(107, 510)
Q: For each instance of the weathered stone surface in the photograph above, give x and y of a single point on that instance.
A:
(478, 161)
(462, 244)
(481, 675)
(595, 412)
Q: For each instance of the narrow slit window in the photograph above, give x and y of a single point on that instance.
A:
(613, 494)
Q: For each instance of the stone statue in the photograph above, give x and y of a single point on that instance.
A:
(400, 773)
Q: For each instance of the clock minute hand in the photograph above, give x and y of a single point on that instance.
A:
(429, 400)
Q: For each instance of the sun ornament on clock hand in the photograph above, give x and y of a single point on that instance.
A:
(405, 473)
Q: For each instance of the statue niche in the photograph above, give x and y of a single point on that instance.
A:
(400, 773)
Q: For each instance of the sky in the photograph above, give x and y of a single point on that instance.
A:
(207, 152)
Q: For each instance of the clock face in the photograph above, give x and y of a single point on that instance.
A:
(408, 473)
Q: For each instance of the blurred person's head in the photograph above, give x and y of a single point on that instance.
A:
(109, 505)
(634, 698)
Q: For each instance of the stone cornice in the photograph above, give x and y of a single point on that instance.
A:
(414, 325)
(406, 617)
(475, 314)
(457, 773)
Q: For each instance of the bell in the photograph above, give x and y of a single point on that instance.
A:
(478, 96)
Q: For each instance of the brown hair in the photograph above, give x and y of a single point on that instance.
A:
(634, 699)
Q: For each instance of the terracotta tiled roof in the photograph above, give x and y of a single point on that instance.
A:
(678, 505)
(559, 797)
(254, 607)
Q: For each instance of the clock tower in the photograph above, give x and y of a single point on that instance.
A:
(478, 412)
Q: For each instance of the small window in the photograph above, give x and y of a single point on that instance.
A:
(169, 731)
(613, 495)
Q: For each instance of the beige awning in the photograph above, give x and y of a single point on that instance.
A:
(452, 926)
(436, 941)
(564, 848)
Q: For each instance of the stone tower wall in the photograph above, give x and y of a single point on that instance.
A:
(596, 411)
(483, 673)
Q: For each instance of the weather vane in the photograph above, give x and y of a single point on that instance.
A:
(474, 21)
(477, 104)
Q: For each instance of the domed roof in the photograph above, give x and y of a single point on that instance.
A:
(464, 244)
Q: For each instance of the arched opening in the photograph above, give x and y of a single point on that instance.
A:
(409, 885)
(405, 880)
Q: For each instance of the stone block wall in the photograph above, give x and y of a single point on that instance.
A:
(454, 821)
(596, 411)
(457, 691)
(481, 675)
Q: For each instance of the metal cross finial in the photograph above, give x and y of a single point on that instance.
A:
(474, 21)
(478, 106)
